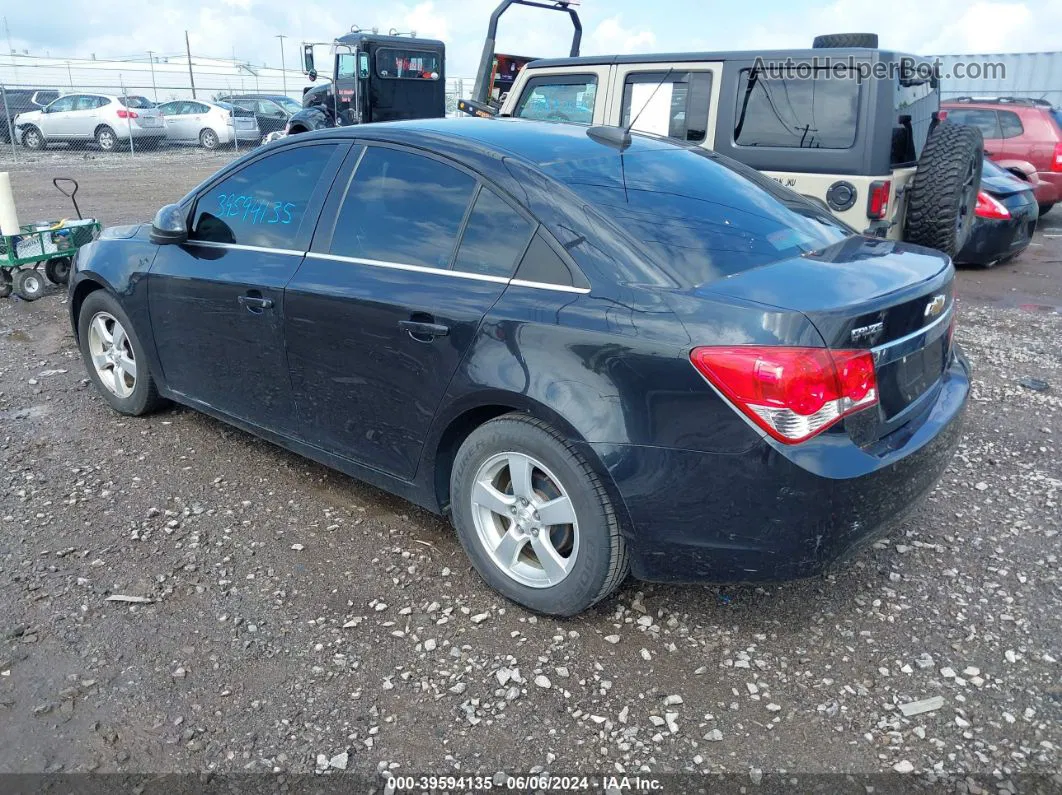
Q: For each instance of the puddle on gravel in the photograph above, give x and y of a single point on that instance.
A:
(1038, 308)
(17, 335)
(27, 413)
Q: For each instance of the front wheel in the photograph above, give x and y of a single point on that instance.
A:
(534, 518)
(114, 357)
(33, 139)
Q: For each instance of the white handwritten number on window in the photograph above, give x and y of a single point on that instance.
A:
(254, 211)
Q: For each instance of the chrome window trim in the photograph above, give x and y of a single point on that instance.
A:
(564, 288)
(242, 247)
(915, 341)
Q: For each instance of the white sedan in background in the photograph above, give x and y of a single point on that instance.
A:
(208, 124)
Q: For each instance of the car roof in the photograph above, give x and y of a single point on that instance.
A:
(540, 143)
(836, 55)
(354, 37)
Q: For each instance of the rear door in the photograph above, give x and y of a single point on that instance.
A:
(217, 303)
(1013, 144)
(82, 121)
(677, 100)
(390, 297)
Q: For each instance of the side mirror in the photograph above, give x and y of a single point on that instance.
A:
(307, 59)
(169, 226)
(312, 74)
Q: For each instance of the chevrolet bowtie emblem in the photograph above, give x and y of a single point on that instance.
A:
(936, 306)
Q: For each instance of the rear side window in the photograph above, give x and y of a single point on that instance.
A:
(984, 120)
(568, 98)
(675, 106)
(543, 265)
(495, 237)
(1010, 124)
(263, 204)
(402, 208)
(819, 112)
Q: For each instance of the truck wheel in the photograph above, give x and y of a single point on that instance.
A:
(29, 286)
(943, 193)
(838, 40)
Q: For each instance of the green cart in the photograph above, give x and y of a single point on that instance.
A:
(50, 243)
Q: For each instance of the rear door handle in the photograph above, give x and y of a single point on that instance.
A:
(254, 303)
(422, 330)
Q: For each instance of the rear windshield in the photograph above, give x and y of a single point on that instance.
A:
(135, 102)
(407, 64)
(699, 216)
(815, 112)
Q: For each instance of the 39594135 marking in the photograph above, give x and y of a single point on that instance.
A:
(254, 211)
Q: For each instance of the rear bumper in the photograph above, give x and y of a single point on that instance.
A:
(992, 240)
(1049, 189)
(766, 515)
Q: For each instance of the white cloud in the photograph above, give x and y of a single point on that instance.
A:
(609, 35)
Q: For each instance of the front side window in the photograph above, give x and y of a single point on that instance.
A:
(673, 105)
(170, 108)
(1010, 124)
(63, 104)
(559, 98)
(346, 65)
(817, 112)
(495, 236)
(402, 208)
(407, 64)
(984, 120)
(264, 203)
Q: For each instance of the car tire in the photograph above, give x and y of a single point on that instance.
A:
(28, 284)
(839, 40)
(1045, 208)
(109, 356)
(106, 139)
(208, 139)
(5, 283)
(58, 270)
(32, 138)
(554, 568)
(943, 192)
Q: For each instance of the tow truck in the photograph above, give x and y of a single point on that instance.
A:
(498, 71)
(375, 77)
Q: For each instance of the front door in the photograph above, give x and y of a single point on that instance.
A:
(217, 303)
(56, 119)
(382, 311)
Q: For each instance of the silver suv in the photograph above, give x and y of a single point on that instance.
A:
(107, 120)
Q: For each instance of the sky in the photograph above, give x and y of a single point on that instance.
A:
(218, 28)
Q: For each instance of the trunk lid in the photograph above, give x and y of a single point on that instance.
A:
(867, 293)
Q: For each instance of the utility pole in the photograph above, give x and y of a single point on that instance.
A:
(11, 49)
(151, 60)
(283, 67)
(69, 75)
(188, 50)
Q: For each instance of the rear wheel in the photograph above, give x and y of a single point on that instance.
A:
(58, 270)
(534, 518)
(837, 40)
(1045, 207)
(106, 139)
(33, 139)
(29, 285)
(5, 282)
(208, 139)
(943, 193)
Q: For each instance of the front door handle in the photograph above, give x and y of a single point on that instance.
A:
(423, 331)
(254, 303)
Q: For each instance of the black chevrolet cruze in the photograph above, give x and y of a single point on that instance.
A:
(595, 357)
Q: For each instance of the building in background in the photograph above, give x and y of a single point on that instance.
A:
(1027, 74)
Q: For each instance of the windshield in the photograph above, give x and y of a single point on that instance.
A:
(288, 104)
(136, 102)
(699, 216)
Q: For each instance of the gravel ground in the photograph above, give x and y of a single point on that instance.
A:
(293, 620)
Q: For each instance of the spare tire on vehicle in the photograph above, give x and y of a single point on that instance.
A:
(943, 193)
(837, 40)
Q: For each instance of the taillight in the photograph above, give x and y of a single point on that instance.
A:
(942, 115)
(878, 199)
(1056, 159)
(127, 114)
(989, 206)
(792, 393)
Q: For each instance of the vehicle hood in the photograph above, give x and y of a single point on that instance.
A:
(28, 117)
(126, 232)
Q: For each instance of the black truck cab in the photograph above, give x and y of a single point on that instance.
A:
(375, 77)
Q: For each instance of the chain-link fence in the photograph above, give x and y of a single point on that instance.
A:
(119, 117)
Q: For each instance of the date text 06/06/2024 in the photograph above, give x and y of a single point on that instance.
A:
(521, 783)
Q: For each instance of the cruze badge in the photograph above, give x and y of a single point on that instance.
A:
(867, 333)
(936, 306)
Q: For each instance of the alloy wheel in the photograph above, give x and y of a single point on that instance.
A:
(525, 520)
(112, 354)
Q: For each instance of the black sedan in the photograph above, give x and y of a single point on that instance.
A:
(594, 356)
(1006, 214)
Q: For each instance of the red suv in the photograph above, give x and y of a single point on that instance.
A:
(1021, 135)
